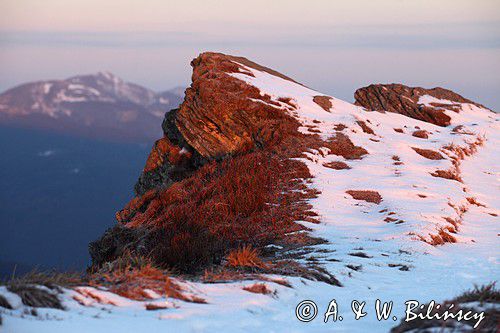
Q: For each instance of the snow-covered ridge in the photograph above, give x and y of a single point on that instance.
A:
(375, 250)
(100, 105)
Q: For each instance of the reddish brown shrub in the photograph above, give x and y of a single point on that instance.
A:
(428, 153)
(369, 196)
(336, 165)
(399, 130)
(423, 134)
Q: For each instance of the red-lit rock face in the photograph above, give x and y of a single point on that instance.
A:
(401, 99)
(225, 172)
(222, 115)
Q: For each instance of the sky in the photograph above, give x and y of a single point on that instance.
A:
(331, 46)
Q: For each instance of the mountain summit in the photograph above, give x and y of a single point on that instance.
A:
(264, 193)
(100, 106)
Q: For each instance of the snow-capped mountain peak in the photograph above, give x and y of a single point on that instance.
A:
(102, 100)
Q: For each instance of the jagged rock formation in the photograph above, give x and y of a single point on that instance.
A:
(223, 175)
(220, 116)
(405, 100)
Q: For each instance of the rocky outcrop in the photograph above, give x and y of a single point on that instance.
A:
(220, 176)
(220, 116)
(404, 100)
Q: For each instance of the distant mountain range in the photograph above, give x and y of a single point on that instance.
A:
(101, 106)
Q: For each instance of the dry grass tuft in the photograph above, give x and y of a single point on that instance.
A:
(49, 279)
(336, 165)
(4, 303)
(339, 127)
(36, 297)
(366, 129)
(155, 306)
(423, 134)
(451, 174)
(341, 145)
(245, 256)
(473, 201)
(460, 129)
(258, 288)
(132, 282)
(441, 238)
(428, 153)
(251, 199)
(365, 195)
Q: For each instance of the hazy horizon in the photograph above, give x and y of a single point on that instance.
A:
(333, 47)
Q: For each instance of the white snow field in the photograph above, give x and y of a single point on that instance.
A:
(395, 265)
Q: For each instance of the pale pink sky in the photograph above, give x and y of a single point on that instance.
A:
(333, 46)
